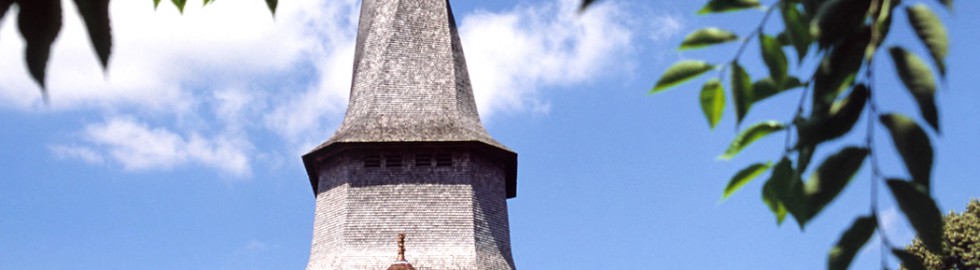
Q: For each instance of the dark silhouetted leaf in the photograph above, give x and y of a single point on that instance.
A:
(775, 58)
(766, 87)
(797, 29)
(681, 72)
(741, 92)
(4, 6)
(913, 145)
(771, 199)
(917, 77)
(838, 69)
(850, 242)
(831, 177)
(921, 212)
(744, 176)
(909, 260)
(931, 31)
(586, 4)
(840, 119)
(713, 101)
(706, 37)
(39, 22)
(839, 19)
(750, 135)
(272, 5)
(786, 189)
(885, 19)
(948, 4)
(716, 6)
(180, 4)
(96, 16)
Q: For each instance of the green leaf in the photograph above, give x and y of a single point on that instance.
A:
(909, 261)
(917, 77)
(775, 58)
(921, 211)
(750, 135)
(796, 28)
(95, 13)
(840, 119)
(771, 199)
(766, 87)
(206, 2)
(180, 4)
(272, 5)
(851, 242)
(913, 145)
(707, 36)
(712, 101)
(681, 72)
(831, 177)
(39, 23)
(837, 20)
(741, 92)
(156, 3)
(931, 31)
(785, 189)
(884, 22)
(717, 6)
(744, 176)
(838, 69)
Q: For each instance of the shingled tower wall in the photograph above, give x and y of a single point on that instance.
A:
(411, 155)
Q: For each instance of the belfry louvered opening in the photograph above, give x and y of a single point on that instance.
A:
(423, 160)
(393, 160)
(372, 160)
(444, 159)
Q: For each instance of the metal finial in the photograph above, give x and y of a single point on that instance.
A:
(401, 247)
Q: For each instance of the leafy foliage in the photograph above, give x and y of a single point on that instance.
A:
(713, 101)
(681, 72)
(749, 135)
(852, 241)
(960, 244)
(39, 22)
(838, 40)
(707, 37)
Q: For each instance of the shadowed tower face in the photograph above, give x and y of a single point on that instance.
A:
(411, 155)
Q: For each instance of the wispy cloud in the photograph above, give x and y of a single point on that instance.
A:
(202, 88)
(137, 146)
(513, 55)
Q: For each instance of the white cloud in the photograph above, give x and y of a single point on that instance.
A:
(203, 87)
(137, 146)
(80, 152)
(513, 55)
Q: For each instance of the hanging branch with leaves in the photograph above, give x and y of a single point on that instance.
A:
(837, 39)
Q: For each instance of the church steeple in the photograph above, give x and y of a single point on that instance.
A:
(411, 155)
(410, 82)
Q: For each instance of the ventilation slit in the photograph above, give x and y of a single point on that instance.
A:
(444, 159)
(372, 161)
(393, 160)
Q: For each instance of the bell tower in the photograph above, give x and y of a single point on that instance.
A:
(411, 155)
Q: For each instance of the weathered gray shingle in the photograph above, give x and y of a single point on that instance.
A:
(411, 155)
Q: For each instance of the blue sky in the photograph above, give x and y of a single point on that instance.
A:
(185, 153)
